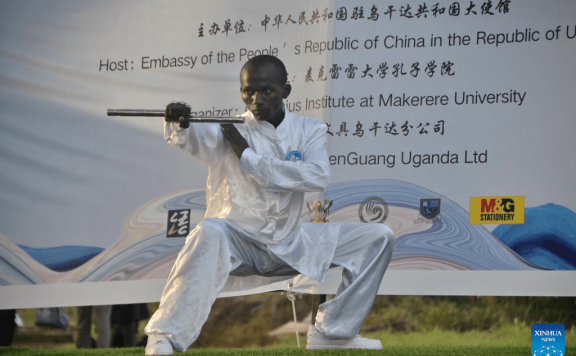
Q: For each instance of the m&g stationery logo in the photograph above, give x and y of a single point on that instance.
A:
(548, 340)
(497, 210)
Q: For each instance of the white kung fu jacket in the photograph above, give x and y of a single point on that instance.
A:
(262, 194)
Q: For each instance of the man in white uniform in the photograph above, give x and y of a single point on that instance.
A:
(258, 175)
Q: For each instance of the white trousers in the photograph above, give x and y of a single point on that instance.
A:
(214, 250)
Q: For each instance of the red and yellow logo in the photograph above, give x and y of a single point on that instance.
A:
(497, 210)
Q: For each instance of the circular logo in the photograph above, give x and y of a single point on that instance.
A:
(373, 210)
(294, 156)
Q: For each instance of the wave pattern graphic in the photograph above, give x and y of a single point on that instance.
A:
(450, 243)
(547, 238)
(143, 251)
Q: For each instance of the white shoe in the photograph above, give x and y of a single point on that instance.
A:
(317, 341)
(158, 344)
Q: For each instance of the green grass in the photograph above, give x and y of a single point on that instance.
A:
(517, 335)
(388, 351)
(400, 322)
(509, 340)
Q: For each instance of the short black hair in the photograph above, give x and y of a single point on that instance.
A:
(264, 59)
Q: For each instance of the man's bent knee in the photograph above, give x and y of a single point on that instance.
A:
(388, 233)
(210, 229)
(385, 235)
(212, 225)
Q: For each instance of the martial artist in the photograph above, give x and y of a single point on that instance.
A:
(258, 174)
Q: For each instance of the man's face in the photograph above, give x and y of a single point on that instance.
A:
(263, 91)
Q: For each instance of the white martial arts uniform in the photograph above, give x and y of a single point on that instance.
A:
(252, 226)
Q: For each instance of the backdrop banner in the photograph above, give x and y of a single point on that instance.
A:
(451, 122)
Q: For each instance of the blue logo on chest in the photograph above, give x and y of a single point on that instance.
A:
(294, 156)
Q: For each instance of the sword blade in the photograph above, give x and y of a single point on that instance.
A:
(191, 118)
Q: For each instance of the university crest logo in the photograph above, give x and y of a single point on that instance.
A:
(429, 208)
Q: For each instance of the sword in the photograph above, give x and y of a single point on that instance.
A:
(191, 118)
